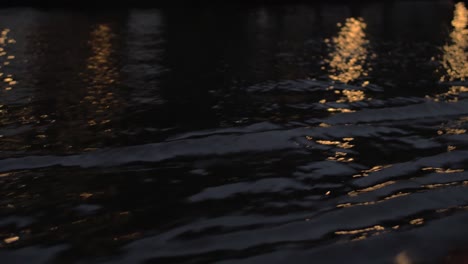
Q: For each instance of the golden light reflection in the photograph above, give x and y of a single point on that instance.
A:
(393, 196)
(347, 62)
(417, 221)
(455, 131)
(340, 144)
(365, 173)
(340, 157)
(452, 128)
(363, 233)
(371, 189)
(442, 170)
(454, 59)
(363, 230)
(352, 96)
(102, 75)
(5, 59)
(11, 115)
(349, 51)
(439, 185)
(451, 95)
(11, 239)
(340, 110)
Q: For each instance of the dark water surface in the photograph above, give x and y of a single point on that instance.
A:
(281, 134)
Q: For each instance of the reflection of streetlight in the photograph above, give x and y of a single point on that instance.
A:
(103, 73)
(5, 40)
(347, 61)
(349, 52)
(454, 59)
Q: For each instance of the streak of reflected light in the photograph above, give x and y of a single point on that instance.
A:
(347, 62)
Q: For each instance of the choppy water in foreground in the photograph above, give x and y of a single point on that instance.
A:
(284, 134)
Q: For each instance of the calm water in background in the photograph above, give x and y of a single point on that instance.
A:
(303, 134)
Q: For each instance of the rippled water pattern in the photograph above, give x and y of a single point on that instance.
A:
(282, 134)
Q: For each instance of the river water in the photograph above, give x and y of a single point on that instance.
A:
(326, 133)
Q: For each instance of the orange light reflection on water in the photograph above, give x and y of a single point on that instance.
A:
(349, 52)
(455, 57)
(347, 62)
(102, 76)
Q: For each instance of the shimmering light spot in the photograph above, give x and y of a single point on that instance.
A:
(454, 58)
(451, 148)
(442, 170)
(365, 173)
(5, 41)
(345, 145)
(439, 185)
(340, 110)
(451, 95)
(102, 76)
(354, 95)
(371, 189)
(344, 205)
(400, 194)
(346, 62)
(11, 239)
(359, 238)
(328, 142)
(349, 52)
(4, 36)
(340, 157)
(417, 221)
(455, 131)
(358, 231)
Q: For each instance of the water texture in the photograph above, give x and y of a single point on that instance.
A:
(325, 133)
